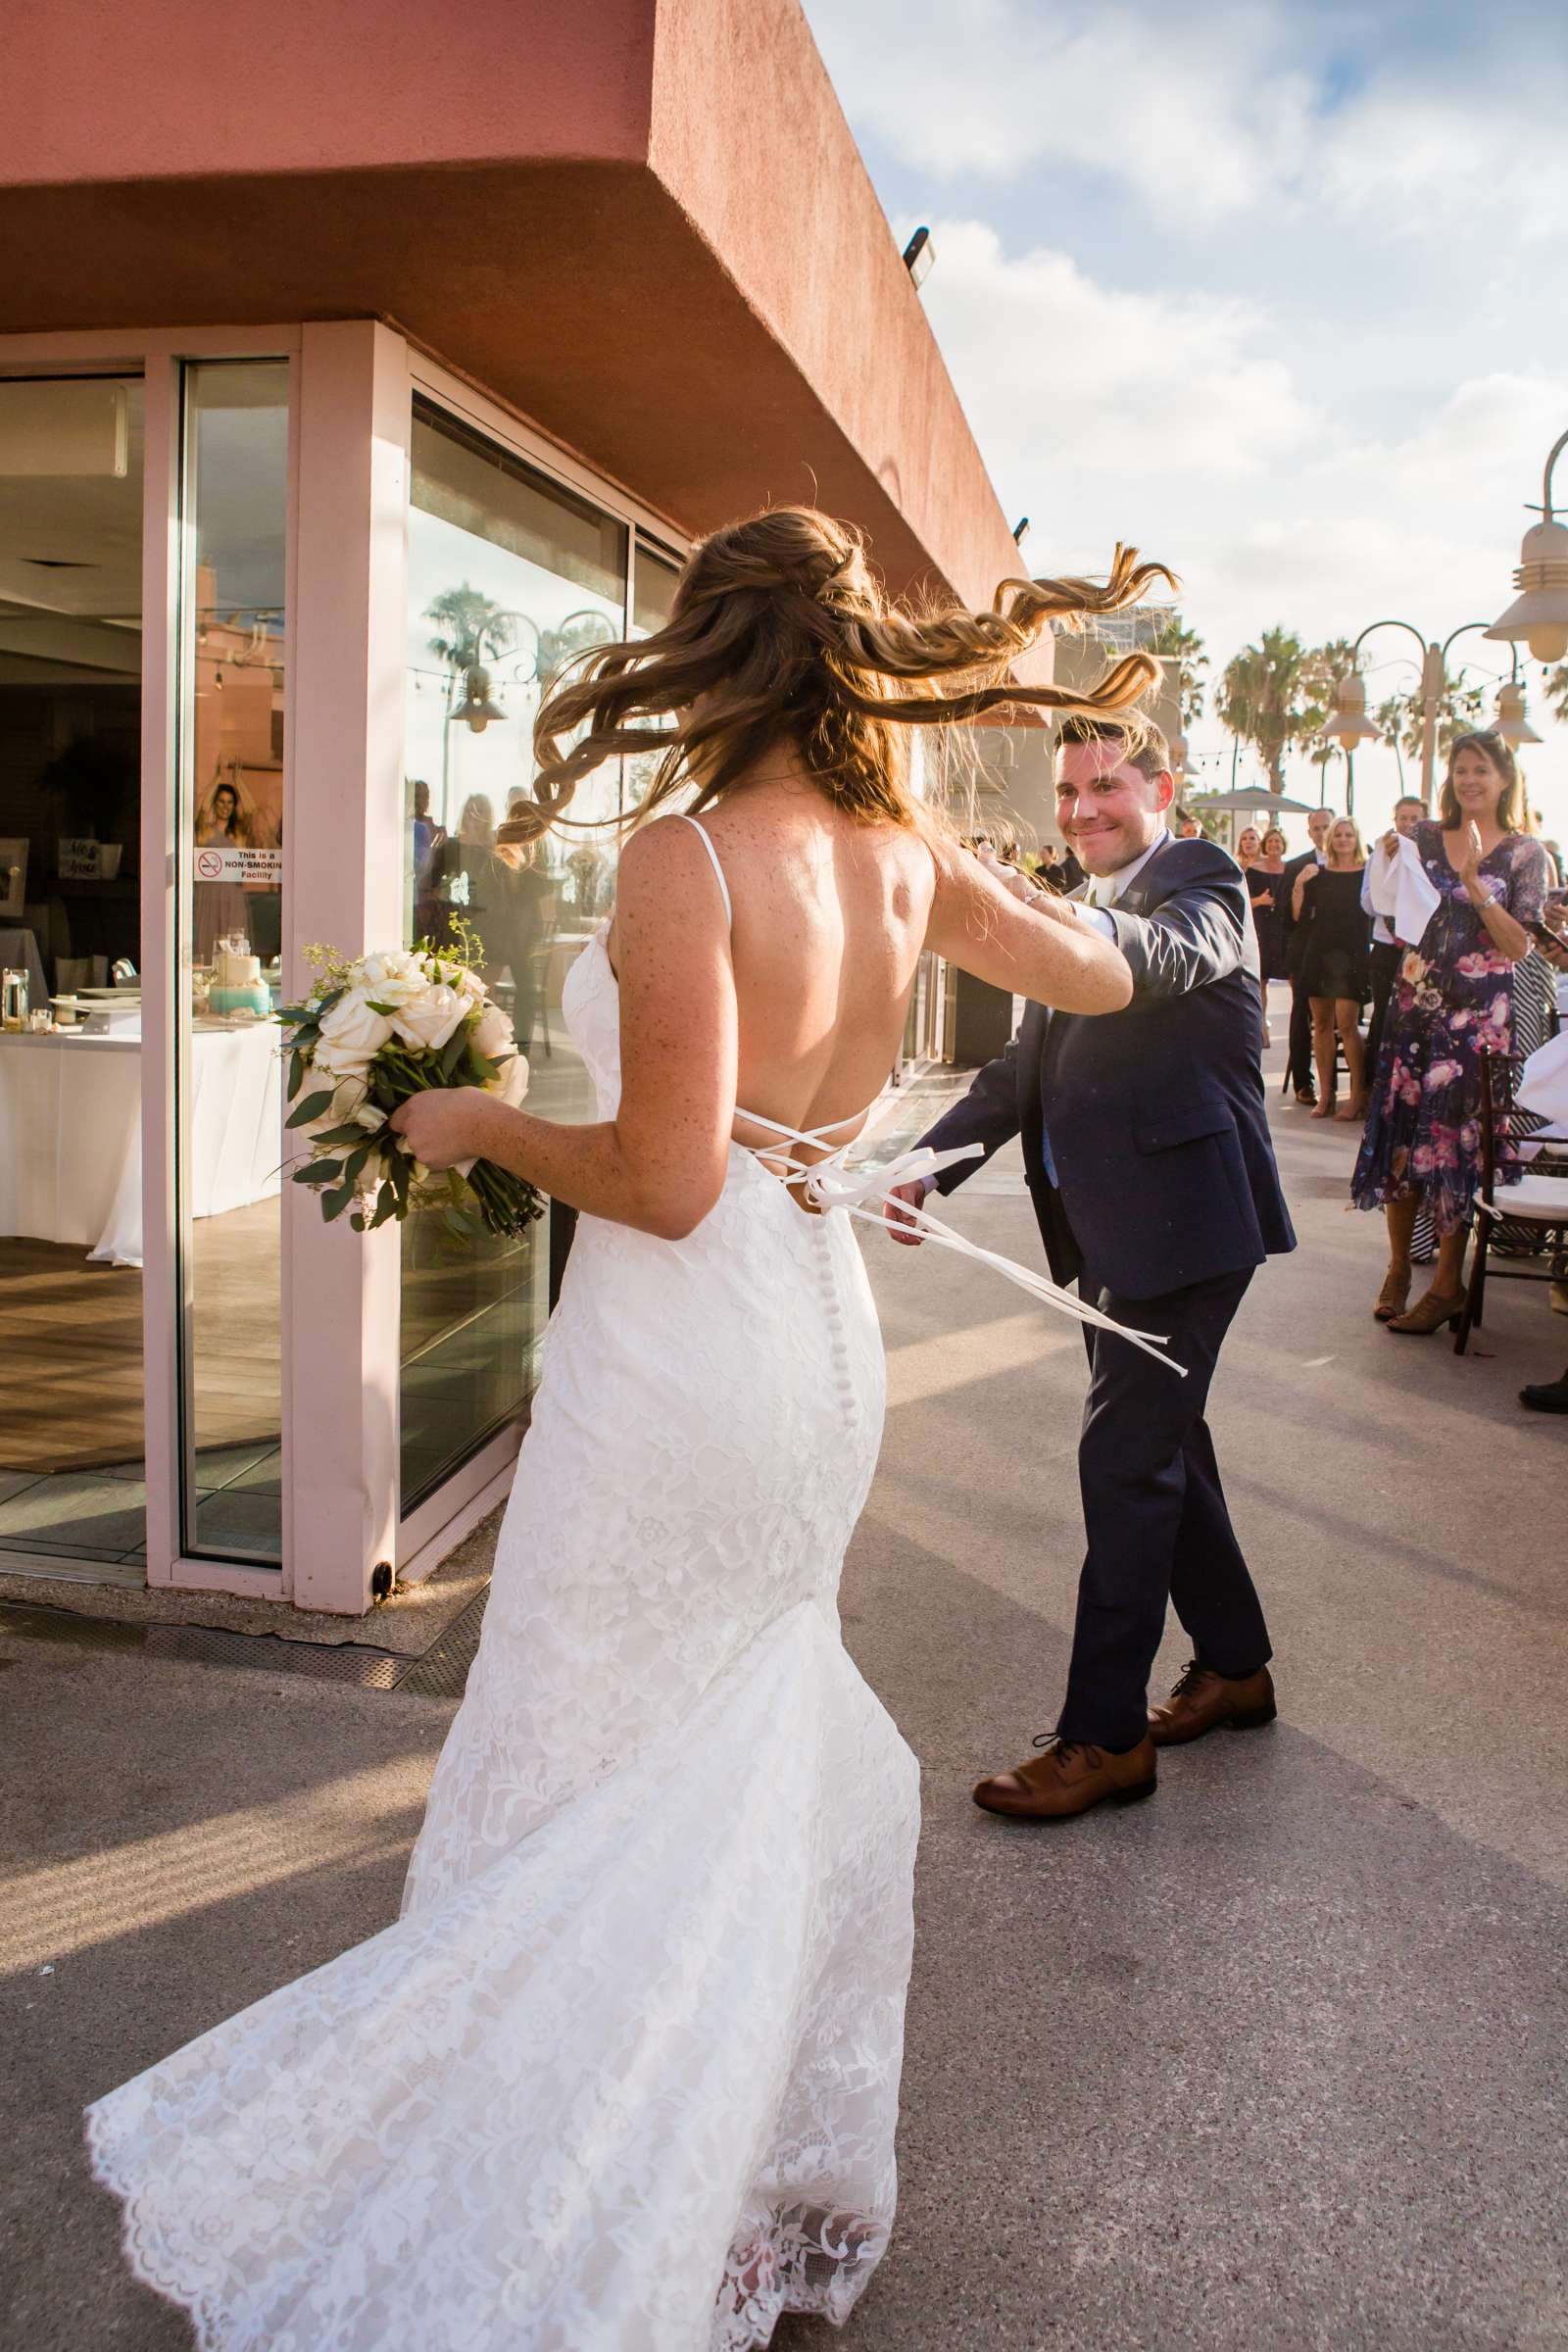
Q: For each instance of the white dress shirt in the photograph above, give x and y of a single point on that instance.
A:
(1106, 889)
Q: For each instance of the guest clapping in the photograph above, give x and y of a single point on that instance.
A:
(1336, 962)
(1453, 996)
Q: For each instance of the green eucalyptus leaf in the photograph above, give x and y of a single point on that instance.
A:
(314, 1106)
(321, 1171)
(334, 1203)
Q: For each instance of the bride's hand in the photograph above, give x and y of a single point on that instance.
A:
(1011, 877)
(443, 1127)
(904, 1196)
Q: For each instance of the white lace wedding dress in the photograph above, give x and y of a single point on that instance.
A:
(624, 2076)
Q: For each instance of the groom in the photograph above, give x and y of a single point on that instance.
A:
(1148, 1160)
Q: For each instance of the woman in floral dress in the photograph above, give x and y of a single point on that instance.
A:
(1453, 996)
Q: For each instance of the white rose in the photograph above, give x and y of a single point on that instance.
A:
(394, 978)
(340, 1064)
(426, 1021)
(352, 1033)
(492, 1034)
(469, 983)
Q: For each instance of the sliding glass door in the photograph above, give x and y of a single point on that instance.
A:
(234, 511)
(71, 1473)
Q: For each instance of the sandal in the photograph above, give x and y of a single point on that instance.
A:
(1395, 1296)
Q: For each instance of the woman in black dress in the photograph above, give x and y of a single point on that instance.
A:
(1264, 864)
(1337, 963)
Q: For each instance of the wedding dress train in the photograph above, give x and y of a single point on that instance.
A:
(623, 2078)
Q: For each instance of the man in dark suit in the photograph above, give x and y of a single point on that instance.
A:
(1299, 1065)
(1148, 1156)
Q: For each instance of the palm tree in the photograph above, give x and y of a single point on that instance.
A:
(474, 627)
(1183, 648)
(1262, 698)
(1459, 708)
(1554, 686)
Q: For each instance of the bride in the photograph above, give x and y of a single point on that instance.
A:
(624, 2076)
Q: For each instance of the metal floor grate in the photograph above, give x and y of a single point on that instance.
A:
(441, 1673)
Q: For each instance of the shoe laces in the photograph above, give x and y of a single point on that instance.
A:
(1191, 1675)
(1063, 1748)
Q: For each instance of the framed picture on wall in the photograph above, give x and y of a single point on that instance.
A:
(13, 877)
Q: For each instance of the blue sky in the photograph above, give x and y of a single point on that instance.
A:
(1276, 291)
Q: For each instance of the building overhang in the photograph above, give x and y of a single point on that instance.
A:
(648, 231)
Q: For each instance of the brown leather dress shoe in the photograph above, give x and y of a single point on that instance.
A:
(1067, 1779)
(1202, 1700)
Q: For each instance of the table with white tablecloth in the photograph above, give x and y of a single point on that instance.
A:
(70, 1132)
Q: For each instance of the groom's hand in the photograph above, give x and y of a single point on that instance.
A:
(901, 1226)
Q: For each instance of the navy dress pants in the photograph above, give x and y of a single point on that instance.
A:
(1154, 1513)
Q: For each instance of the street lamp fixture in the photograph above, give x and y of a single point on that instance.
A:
(477, 709)
(1538, 614)
(1347, 724)
(1512, 721)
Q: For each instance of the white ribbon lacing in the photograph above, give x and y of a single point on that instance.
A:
(828, 1184)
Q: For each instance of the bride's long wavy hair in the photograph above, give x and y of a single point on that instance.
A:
(780, 637)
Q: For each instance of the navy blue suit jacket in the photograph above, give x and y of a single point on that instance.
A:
(1155, 1114)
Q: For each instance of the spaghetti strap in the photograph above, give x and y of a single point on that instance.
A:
(699, 828)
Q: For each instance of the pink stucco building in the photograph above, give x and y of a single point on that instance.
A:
(344, 356)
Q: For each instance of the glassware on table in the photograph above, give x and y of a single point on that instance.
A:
(12, 999)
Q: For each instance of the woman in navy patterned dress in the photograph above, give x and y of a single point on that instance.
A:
(1453, 996)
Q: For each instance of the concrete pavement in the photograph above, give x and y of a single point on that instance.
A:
(1274, 2061)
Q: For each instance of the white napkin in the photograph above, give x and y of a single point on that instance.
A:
(1544, 1081)
(1399, 890)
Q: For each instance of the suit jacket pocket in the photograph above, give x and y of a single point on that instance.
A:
(1187, 1122)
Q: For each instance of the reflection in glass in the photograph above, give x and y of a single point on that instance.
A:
(510, 574)
(71, 1476)
(228, 1072)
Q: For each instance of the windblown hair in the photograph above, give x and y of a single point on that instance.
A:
(1512, 814)
(781, 638)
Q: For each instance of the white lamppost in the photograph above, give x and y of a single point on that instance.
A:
(1347, 724)
(1539, 613)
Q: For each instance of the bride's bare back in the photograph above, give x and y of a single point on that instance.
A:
(796, 1008)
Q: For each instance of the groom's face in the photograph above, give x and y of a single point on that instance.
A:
(1107, 809)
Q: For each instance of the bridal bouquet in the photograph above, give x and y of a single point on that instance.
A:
(372, 1033)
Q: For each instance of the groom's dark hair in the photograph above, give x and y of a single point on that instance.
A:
(1144, 744)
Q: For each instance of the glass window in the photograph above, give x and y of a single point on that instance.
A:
(509, 576)
(229, 1092)
(72, 1474)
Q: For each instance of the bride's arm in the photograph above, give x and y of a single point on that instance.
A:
(660, 1163)
(1043, 951)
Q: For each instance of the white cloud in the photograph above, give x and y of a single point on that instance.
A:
(1050, 363)
(1193, 102)
(1262, 287)
(1232, 114)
